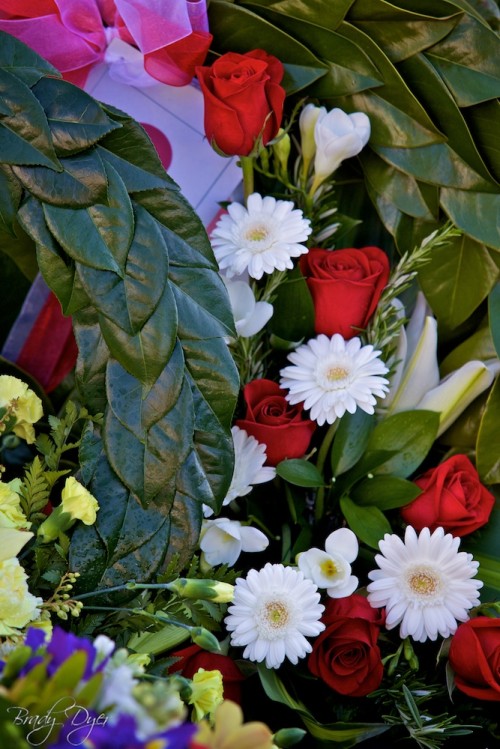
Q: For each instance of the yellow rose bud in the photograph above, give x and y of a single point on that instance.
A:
(17, 605)
(206, 692)
(26, 405)
(78, 502)
(11, 514)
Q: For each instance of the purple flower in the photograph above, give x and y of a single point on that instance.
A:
(63, 645)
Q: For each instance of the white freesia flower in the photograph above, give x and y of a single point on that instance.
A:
(273, 611)
(424, 582)
(260, 238)
(331, 568)
(416, 382)
(249, 316)
(249, 468)
(332, 376)
(307, 122)
(222, 541)
(338, 136)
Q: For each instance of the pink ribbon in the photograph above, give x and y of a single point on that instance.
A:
(170, 35)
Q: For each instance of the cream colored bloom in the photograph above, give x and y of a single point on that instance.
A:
(26, 405)
(206, 694)
(17, 605)
(78, 502)
(338, 136)
(11, 514)
(229, 731)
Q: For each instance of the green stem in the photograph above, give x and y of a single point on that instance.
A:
(322, 455)
(248, 181)
(141, 612)
(128, 586)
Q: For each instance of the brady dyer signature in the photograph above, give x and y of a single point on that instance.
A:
(79, 721)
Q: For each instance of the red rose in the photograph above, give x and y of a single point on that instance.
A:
(475, 658)
(274, 422)
(243, 99)
(346, 655)
(345, 286)
(453, 497)
(194, 658)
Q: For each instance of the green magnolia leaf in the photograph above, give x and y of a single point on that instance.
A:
(233, 25)
(10, 198)
(319, 12)
(92, 362)
(76, 120)
(410, 433)
(479, 346)
(24, 132)
(20, 248)
(350, 440)
(300, 473)
(446, 280)
(384, 492)
(367, 522)
(488, 440)
(483, 121)
(293, 309)
(21, 61)
(494, 316)
(82, 183)
(467, 209)
(483, 545)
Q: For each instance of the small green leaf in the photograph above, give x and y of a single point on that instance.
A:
(385, 492)
(300, 473)
(350, 440)
(488, 439)
(466, 209)
(367, 522)
(293, 315)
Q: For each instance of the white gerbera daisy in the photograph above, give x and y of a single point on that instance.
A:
(273, 611)
(332, 376)
(424, 583)
(249, 469)
(260, 238)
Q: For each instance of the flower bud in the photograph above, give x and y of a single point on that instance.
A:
(288, 737)
(281, 150)
(307, 122)
(205, 639)
(204, 589)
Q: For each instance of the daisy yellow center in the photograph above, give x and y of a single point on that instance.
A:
(257, 233)
(424, 582)
(328, 568)
(276, 614)
(336, 373)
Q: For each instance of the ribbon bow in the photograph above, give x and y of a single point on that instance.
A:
(143, 41)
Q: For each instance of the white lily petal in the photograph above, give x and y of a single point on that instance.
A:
(415, 325)
(421, 374)
(252, 539)
(261, 314)
(457, 391)
(343, 542)
(342, 592)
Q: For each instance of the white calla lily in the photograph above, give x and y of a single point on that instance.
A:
(249, 316)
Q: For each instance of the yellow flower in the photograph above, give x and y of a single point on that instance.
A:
(17, 605)
(78, 502)
(206, 692)
(229, 731)
(26, 405)
(11, 515)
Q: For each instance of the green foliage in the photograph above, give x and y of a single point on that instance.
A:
(82, 187)
(428, 76)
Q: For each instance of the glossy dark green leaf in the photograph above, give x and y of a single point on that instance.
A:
(293, 309)
(488, 439)
(384, 492)
(494, 316)
(410, 433)
(100, 236)
(300, 473)
(483, 121)
(394, 187)
(21, 61)
(485, 549)
(233, 25)
(322, 13)
(92, 360)
(82, 183)
(10, 198)
(21, 249)
(75, 119)
(468, 61)
(467, 211)
(350, 440)
(24, 132)
(367, 522)
(354, 73)
(446, 280)
(401, 33)
(478, 346)
(361, 470)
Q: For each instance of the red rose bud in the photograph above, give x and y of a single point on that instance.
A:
(243, 100)
(274, 422)
(193, 658)
(346, 655)
(475, 658)
(452, 497)
(345, 286)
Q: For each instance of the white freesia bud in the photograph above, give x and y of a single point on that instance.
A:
(331, 568)
(307, 121)
(222, 541)
(338, 136)
(249, 316)
(452, 396)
